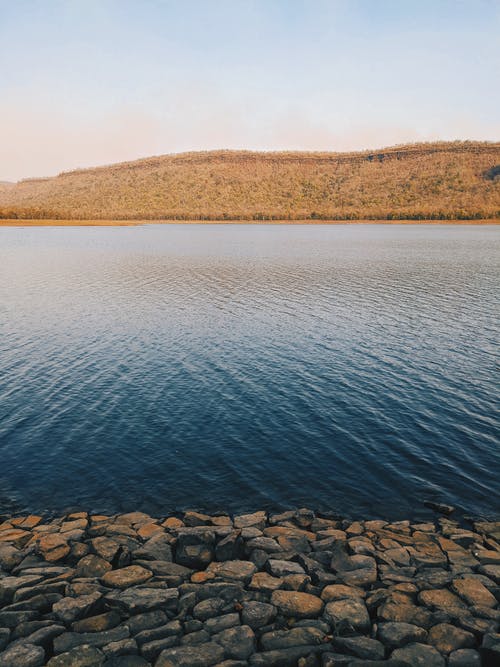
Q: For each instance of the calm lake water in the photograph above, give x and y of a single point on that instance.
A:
(237, 367)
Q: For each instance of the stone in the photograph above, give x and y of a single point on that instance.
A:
(120, 648)
(23, 655)
(262, 581)
(257, 519)
(97, 623)
(257, 614)
(53, 547)
(10, 557)
(82, 656)
(490, 650)
(204, 655)
(11, 619)
(4, 638)
(281, 568)
(92, 566)
(240, 570)
(298, 605)
(172, 629)
(287, 656)
(44, 636)
(136, 600)
(464, 657)
(208, 608)
(146, 621)
(361, 647)
(266, 544)
(70, 640)
(341, 592)
(219, 623)
(133, 575)
(69, 610)
(347, 616)
(417, 654)
(440, 598)
(238, 642)
(474, 592)
(195, 550)
(405, 613)
(280, 639)
(230, 547)
(447, 638)
(151, 650)
(158, 547)
(396, 635)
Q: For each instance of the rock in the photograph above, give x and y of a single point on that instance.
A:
(262, 581)
(240, 570)
(490, 650)
(133, 575)
(120, 648)
(208, 608)
(257, 520)
(151, 650)
(464, 657)
(172, 629)
(92, 566)
(298, 605)
(281, 568)
(341, 592)
(266, 544)
(231, 547)
(447, 638)
(157, 547)
(82, 656)
(238, 642)
(23, 655)
(97, 623)
(405, 613)
(418, 654)
(146, 621)
(362, 647)
(287, 656)
(43, 636)
(396, 635)
(257, 614)
(70, 640)
(53, 547)
(10, 557)
(136, 600)
(204, 655)
(4, 638)
(347, 616)
(440, 599)
(217, 624)
(69, 610)
(195, 550)
(11, 619)
(280, 639)
(492, 572)
(474, 592)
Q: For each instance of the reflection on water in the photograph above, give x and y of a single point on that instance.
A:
(160, 367)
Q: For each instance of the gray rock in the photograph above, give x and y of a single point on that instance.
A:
(43, 636)
(208, 608)
(121, 647)
(347, 616)
(69, 610)
(280, 639)
(217, 624)
(127, 661)
(156, 548)
(172, 629)
(97, 623)
(23, 655)
(92, 566)
(419, 654)
(396, 635)
(195, 550)
(204, 655)
(197, 637)
(11, 619)
(151, 650)
(70, 640)
(238, 642)
(361, 647)
(281, 568)
(4, 638)
(230, 548)
(82, 656)
(136, 600)
(464, 657)
(146, 621)
(287, 656)
(10, 557)
(257, 614)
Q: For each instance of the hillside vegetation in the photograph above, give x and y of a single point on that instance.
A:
(459, 180)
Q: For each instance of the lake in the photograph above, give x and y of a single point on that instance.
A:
(351, 368)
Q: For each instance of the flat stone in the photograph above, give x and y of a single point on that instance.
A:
(474, 592)
(347, 616)
(262, 581)
(136, 600)
(464, 657)
(151, 650)
(146, 621)
(267, 544)
(341, 592)
(396, 635)
(239, 570)
(133, 575)
(69, 610)
(238, 642)
(280, 639)
(257, 614)
(209, 608)
(97, 623)
(11, 619)
(361, 647)
(92, 566)
(417, 654)
(70, 640)
(298, 605)
(15, 536)
(204, 655)
(10, 557)
(281, 568)
(172, 629)
(405, 613)
(23, 655)
(195, 550)
(447, 638)
(257, 519)
(82, 656)
(53, 546)
(157, 548)
(219, 623)
(440, 599)
(4, 638)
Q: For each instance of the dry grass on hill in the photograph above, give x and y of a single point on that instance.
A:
(459, 180)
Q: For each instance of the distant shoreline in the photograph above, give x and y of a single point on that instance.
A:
(135, 223)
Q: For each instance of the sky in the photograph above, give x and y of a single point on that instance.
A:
(90, 82)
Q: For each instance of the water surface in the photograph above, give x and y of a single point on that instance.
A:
(160, 367)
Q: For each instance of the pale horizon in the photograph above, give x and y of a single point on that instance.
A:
(86, 84)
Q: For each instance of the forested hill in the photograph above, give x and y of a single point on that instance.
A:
(458, 180)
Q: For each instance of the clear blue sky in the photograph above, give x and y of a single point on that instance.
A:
(86, 82)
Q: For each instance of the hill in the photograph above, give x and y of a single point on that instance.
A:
(457, 180)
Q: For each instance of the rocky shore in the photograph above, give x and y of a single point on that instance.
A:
(295, 588)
